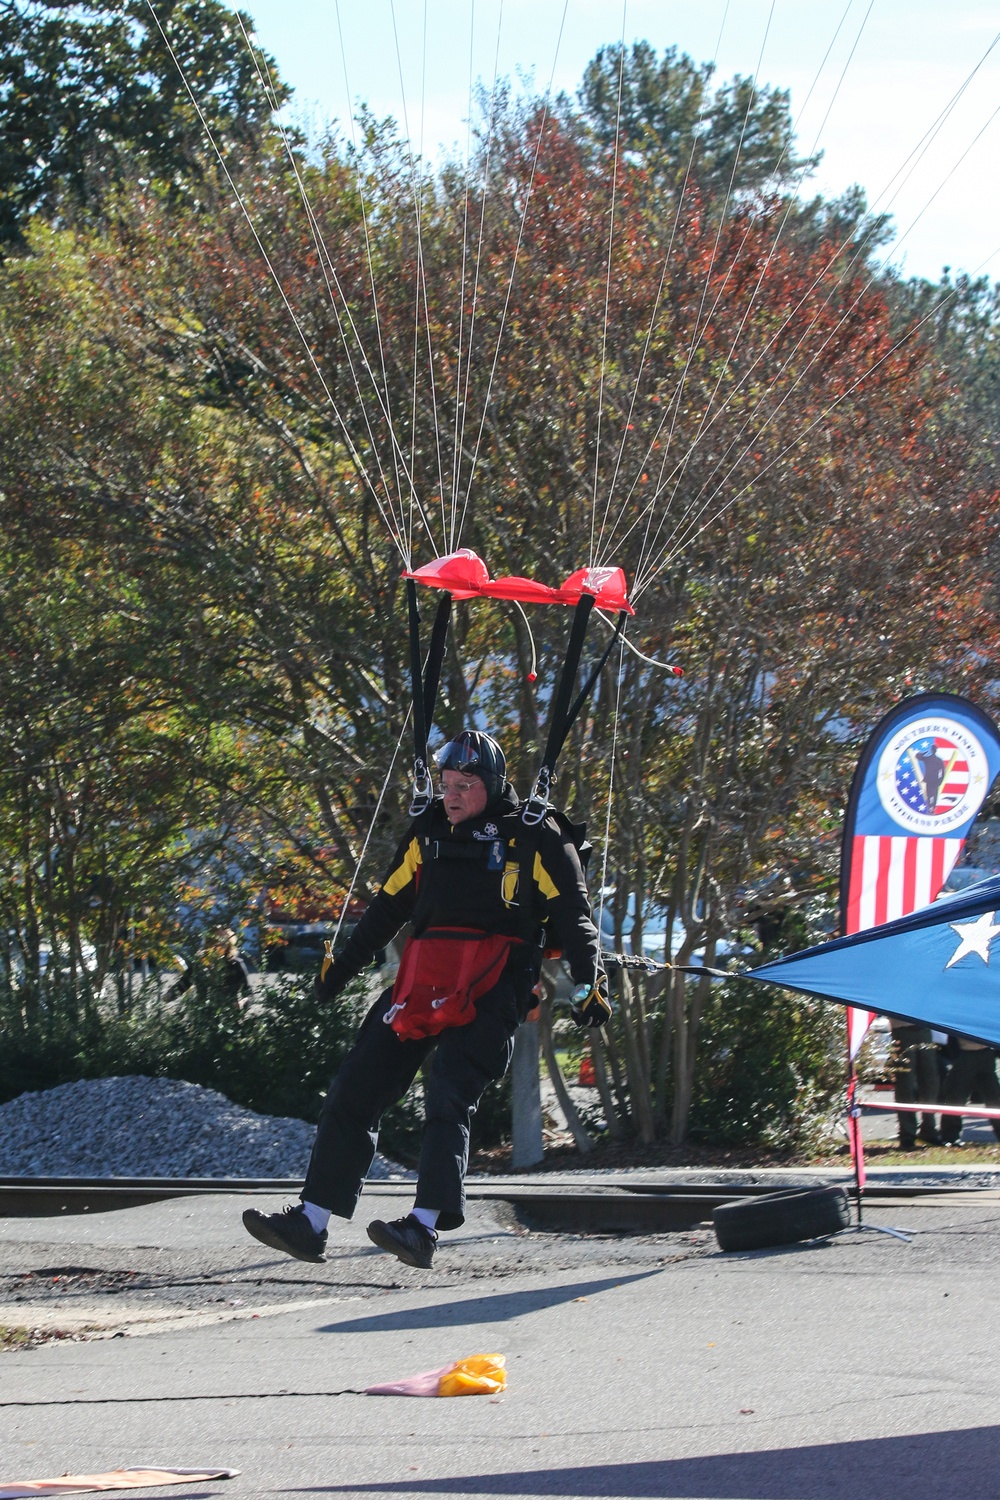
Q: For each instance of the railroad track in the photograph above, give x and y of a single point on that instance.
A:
(590, 1205)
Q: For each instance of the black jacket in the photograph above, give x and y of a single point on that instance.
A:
(468, 876)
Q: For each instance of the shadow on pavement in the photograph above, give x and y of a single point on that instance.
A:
(770, 1252)
(496, 1309)
(927, 1466)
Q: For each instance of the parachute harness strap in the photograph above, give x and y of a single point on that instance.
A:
(564, 715)
(424, 680)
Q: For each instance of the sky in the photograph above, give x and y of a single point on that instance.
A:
(868, 79)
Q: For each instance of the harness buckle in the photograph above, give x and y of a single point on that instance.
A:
(423, 788)
(538, 804)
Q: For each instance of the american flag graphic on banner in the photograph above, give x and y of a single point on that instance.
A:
(918, 787)
(890, 877)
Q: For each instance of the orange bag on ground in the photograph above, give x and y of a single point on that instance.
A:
(479, 1375)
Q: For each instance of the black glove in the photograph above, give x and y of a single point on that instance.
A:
(591, 1006)
(334, 975)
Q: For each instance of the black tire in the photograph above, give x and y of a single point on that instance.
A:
(781, 1218)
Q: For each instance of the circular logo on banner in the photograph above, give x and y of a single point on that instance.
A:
(932, 776)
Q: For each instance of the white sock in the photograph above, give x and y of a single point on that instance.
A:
(318, 1217)
(428, 1217)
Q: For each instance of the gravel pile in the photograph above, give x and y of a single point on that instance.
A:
(151, 1127)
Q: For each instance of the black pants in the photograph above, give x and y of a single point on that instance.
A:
(917, 1077)
(970, 1073)
(378, 1071)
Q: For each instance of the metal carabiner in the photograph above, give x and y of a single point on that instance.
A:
(537, 804)
(423, 788)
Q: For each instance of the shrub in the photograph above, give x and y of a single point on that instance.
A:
(275, 1057)
(771, 1066)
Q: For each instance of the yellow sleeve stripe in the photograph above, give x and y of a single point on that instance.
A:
(405, 872)
(544, 880)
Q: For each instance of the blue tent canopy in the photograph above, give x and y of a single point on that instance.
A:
(934, 967)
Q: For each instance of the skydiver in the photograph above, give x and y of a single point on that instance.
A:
(465, 983)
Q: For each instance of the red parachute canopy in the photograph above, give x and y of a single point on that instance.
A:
(466, 576)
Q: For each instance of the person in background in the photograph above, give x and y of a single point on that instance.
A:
(219, 959)
(917, 1079)
(972, 1075)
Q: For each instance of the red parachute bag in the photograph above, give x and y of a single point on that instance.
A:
(441, 976)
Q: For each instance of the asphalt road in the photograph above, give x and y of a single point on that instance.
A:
(862, 1368)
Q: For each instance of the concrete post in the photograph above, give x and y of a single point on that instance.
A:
(526, 1098)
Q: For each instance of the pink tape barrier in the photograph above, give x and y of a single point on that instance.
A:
(974, 1111)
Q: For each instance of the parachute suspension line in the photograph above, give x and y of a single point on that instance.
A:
(423, 265)
(330, 277)
(450, 534)
(650, 661)
(460, 443)
(513, 271)
(685, 527)
(417, 193)
(533, 674)
(915, 156)
(627, 425)
(674, 405)
(607, 293)
(611, 793)
(414, 500)
(356, 458)
(691, 511)
(371, 830)
(817, 421)
(707, 420)
(416, 305)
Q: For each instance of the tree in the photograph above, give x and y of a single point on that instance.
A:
(751, 424)
(90, 94)
(770, 469)
(665, 113)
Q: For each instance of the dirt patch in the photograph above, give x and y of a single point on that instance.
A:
(617, 1155)
(888, 1154)
(14, 1338)
(620, 1155)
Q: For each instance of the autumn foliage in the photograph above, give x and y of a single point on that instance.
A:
(227, 426)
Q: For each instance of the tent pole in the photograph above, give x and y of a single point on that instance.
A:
(854, 1126)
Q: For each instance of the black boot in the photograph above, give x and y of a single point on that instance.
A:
(289, 1231)
(407, 1239)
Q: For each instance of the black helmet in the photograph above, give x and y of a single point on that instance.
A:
(477, 755)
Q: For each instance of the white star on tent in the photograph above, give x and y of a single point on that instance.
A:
(976, 937)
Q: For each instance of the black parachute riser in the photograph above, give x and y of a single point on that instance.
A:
(559, 721)
(588, 686)
(435, 659)
(425, 677)
(416, 678)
